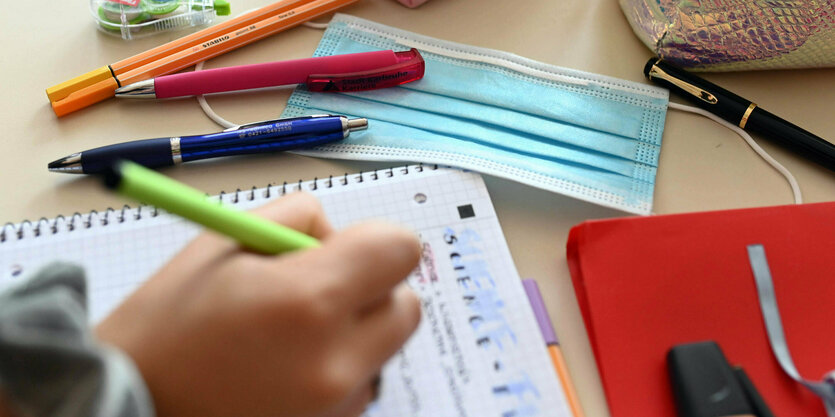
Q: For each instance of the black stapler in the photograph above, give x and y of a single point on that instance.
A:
(705, 385)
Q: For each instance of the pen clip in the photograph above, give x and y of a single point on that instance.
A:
(410, 67)
(265, 122)
(703, 95)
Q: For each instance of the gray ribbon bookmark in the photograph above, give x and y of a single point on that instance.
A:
(771, 315)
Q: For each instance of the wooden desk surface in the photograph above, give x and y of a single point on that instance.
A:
(703, 166)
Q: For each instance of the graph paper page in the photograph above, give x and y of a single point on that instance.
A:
(478, 351)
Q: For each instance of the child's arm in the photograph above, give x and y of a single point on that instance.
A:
(221, 331)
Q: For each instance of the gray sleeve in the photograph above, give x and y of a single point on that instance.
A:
(50, 363)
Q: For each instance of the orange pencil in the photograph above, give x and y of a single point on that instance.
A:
(114, 70)
(106, 88)
(565, 379)
(553, 346)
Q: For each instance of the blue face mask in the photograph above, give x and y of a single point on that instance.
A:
(584, 135)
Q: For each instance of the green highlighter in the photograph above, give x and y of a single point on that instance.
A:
(251, 231)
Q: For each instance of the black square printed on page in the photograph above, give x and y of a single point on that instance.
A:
(465, 212)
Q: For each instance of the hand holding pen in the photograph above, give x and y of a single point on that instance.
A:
(261, 137)
(224, 331)
(197, 307)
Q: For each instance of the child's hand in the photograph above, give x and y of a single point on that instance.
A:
(221, 331)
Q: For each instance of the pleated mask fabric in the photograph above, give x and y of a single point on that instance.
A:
(588, 136)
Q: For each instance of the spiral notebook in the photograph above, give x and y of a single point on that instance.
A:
(477, 352)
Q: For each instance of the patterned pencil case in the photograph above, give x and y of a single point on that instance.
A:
(734, 35)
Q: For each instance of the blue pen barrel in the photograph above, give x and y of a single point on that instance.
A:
(260, 146)
(268, 137)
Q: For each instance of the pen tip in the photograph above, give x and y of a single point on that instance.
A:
(141, 89)
(69, 164)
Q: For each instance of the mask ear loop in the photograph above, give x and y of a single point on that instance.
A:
(201, 99)
(798, 198)
(210, 113)
(314, 25)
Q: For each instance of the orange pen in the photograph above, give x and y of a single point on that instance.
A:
(547, 329)
(115, 69)
(176, 61)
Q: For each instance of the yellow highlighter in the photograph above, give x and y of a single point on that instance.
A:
(547, 329)
(64, 89)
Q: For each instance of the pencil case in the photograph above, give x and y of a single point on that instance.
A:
(733, 35)
(136, 18)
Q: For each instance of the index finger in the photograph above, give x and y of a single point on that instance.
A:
(368, 261)
(300, 211)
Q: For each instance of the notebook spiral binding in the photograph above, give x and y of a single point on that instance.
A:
(43, 226)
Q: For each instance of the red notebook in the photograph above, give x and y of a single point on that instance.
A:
(645, 284)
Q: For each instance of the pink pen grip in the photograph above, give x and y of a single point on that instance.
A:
(269, 74)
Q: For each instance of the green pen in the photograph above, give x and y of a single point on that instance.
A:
(251, 231)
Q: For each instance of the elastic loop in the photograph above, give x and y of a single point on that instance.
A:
(798, 198)
(315, 25)
(208, 109)
(205, 104)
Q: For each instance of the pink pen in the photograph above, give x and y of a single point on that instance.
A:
(351, 72)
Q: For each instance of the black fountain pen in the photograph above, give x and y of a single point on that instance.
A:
(741, 112)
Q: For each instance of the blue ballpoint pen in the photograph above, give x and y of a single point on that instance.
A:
(260, 137)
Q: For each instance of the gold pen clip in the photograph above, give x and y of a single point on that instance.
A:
(690, 88)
